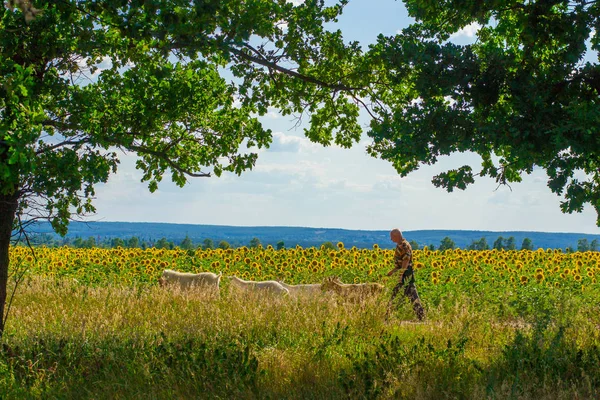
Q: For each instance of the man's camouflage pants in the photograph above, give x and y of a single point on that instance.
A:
(407, 283)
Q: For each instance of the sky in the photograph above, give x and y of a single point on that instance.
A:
(298, 183)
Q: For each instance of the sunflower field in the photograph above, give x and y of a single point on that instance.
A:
(437, 273)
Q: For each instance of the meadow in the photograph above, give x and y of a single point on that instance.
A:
(93, 323)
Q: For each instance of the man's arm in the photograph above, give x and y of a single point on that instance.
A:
(403, 267)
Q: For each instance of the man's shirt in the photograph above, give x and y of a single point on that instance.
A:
(403, 252)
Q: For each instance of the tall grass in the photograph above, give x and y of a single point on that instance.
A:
(67, 340)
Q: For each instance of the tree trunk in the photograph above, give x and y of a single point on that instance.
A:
(8, 208)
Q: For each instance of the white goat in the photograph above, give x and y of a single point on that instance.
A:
(185, 280)
(302, 289)
(351, 289)
(262, 286)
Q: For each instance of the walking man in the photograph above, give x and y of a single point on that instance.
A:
(403, 262)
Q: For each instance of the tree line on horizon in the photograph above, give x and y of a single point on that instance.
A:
(447, 243)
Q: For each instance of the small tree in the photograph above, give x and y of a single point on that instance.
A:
(594, 245)
(527, 244)
(480, 244)
(447, 244)
(255, 242)
(117, 242)
(511, 243)
(499, 243)
(223, 245)
(133, 242)
(89, 242)
(186, 243)
(163, 243)
(583, 245)
(208, 244)
(280, 245)
(328, 246)
(414, 245)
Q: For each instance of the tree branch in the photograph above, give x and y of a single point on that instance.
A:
(164, 157)
(289, 72)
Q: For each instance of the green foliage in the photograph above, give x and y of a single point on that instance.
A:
(521, 96)
(280, 245)
(499, 244)
(133, 242)
(511, 243)
(208, 244)
(328, 246)
(82, 81)
(117, 242)
(186, 243)
(527, 244)
(224, 245)
(447, 244)
(163, 243)
(254, 242)
(583, 245)
(480, 244)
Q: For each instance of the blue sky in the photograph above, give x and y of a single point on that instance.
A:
(298, 183)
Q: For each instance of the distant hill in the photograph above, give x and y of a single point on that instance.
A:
(305, 237)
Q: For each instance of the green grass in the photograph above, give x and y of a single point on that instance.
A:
(67, 340)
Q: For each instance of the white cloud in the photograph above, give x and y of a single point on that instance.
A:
(469, 31)
(291, 144)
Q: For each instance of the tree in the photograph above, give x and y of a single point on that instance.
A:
(583, 245)
(133, 242)
(84, 81)
(499, 243)
(163, 243)
(527, 244)
(447, 244)
(186, 243)
(254, 242)
(78, 242)
(521, 96)
(280, 245)
(89, 243)
(480, 244)
(328, 246)
(594, 245)
(117, 242)
(431, 247)
(414, 245)
(208, 244)
(223, 245)
(511, 243)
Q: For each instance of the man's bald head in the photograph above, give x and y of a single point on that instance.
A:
(396, 235)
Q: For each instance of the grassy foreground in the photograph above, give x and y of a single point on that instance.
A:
(68, 340)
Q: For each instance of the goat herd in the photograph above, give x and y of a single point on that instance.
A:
(211, 281)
